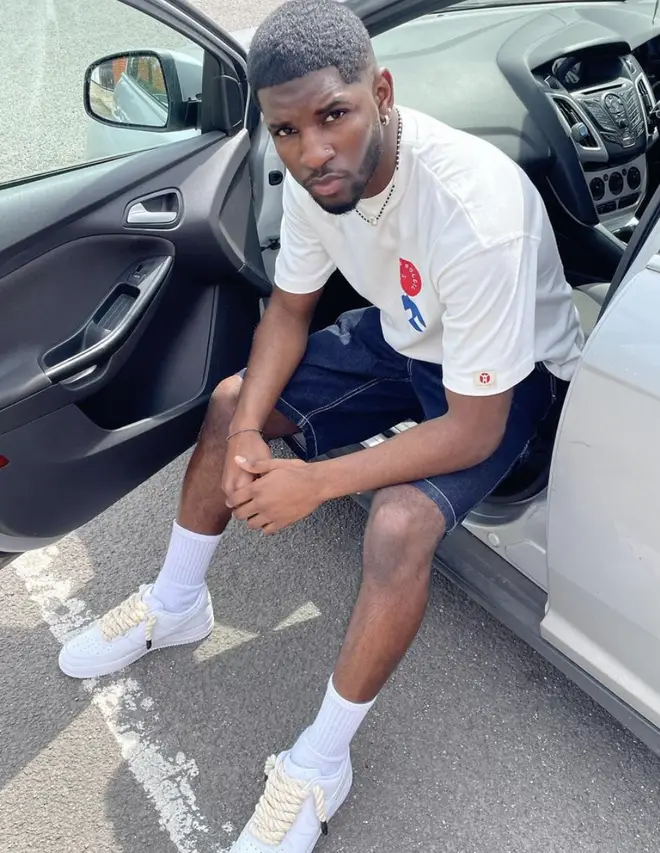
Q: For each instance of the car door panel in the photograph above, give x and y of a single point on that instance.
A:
(603, 532)
(79, 435)
(38, 298)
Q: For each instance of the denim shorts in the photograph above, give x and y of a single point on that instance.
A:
(351, 385)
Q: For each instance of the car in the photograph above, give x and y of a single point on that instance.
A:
(134, 270)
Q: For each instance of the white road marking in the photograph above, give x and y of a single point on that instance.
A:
(167, 781)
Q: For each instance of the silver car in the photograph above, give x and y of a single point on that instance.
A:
(134, 265)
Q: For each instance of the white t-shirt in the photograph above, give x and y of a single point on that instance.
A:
(463, 263)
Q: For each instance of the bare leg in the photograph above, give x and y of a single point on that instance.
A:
(403, 531)
(202, 507)
(178, 605)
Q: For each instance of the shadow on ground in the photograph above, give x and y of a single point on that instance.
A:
(477, 744)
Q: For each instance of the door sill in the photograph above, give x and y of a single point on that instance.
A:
(515, 530)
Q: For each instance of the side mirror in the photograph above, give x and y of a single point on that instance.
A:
(145, 90)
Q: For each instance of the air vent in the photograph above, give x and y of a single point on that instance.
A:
(645, 95)
(572, 118)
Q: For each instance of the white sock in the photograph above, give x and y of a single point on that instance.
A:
(183, 575)
(324, 744)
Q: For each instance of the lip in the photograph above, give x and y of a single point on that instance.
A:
(329, 185)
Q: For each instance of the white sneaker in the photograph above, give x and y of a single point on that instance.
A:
(293, 812)
(133, 629)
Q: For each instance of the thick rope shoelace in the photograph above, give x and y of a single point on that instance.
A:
(280, 804)
(129, 614)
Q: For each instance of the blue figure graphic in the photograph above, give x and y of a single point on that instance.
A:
(416, 320)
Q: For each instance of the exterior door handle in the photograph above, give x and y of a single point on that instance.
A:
(139, 215)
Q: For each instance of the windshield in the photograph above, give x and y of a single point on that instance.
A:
(478, 4)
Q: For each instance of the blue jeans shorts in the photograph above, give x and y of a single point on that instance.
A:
(351, 385)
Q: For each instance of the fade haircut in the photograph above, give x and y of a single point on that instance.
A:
(303, 36)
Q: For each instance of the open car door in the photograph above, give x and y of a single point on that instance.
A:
(603, 524)
(130, 269)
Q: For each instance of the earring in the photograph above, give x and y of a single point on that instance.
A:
(385, 120)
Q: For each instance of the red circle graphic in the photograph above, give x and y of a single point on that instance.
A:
(411, 280)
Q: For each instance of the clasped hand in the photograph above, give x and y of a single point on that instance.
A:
(284, 491)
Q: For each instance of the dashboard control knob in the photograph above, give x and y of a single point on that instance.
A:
(634, 178)
(597, 187)
(579, 131)
(616, 183)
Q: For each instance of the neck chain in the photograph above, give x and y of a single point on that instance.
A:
(373, 220)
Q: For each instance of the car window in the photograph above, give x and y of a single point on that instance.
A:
(46, 50)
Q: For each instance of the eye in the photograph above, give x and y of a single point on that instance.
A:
(335, 115)
(283, 132)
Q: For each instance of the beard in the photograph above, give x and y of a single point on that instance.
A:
(365, 174)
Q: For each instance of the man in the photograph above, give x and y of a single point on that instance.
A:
(473, 335)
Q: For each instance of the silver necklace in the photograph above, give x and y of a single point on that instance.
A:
(373, 220)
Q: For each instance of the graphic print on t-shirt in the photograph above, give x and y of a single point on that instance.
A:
(411, 283)
(485, 378)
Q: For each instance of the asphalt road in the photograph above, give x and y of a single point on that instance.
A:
(476, 746)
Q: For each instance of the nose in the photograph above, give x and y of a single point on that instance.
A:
(315, 151)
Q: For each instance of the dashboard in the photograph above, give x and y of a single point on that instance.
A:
(604, 102)
(567, 90)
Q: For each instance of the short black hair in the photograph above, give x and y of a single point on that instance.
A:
(303, 36)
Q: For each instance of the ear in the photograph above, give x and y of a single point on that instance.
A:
(384, 91)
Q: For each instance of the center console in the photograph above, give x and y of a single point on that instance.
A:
(605, 104)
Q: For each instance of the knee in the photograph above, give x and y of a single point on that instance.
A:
(404, 529)
(224, 400)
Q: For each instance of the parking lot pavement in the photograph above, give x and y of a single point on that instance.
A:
(476, 745)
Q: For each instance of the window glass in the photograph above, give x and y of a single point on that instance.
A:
(46, 50)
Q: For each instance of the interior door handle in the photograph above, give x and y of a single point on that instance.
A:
(158, 210)
(112, 322)
(139, 215)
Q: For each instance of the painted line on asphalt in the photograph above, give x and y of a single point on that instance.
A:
(168, 781)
